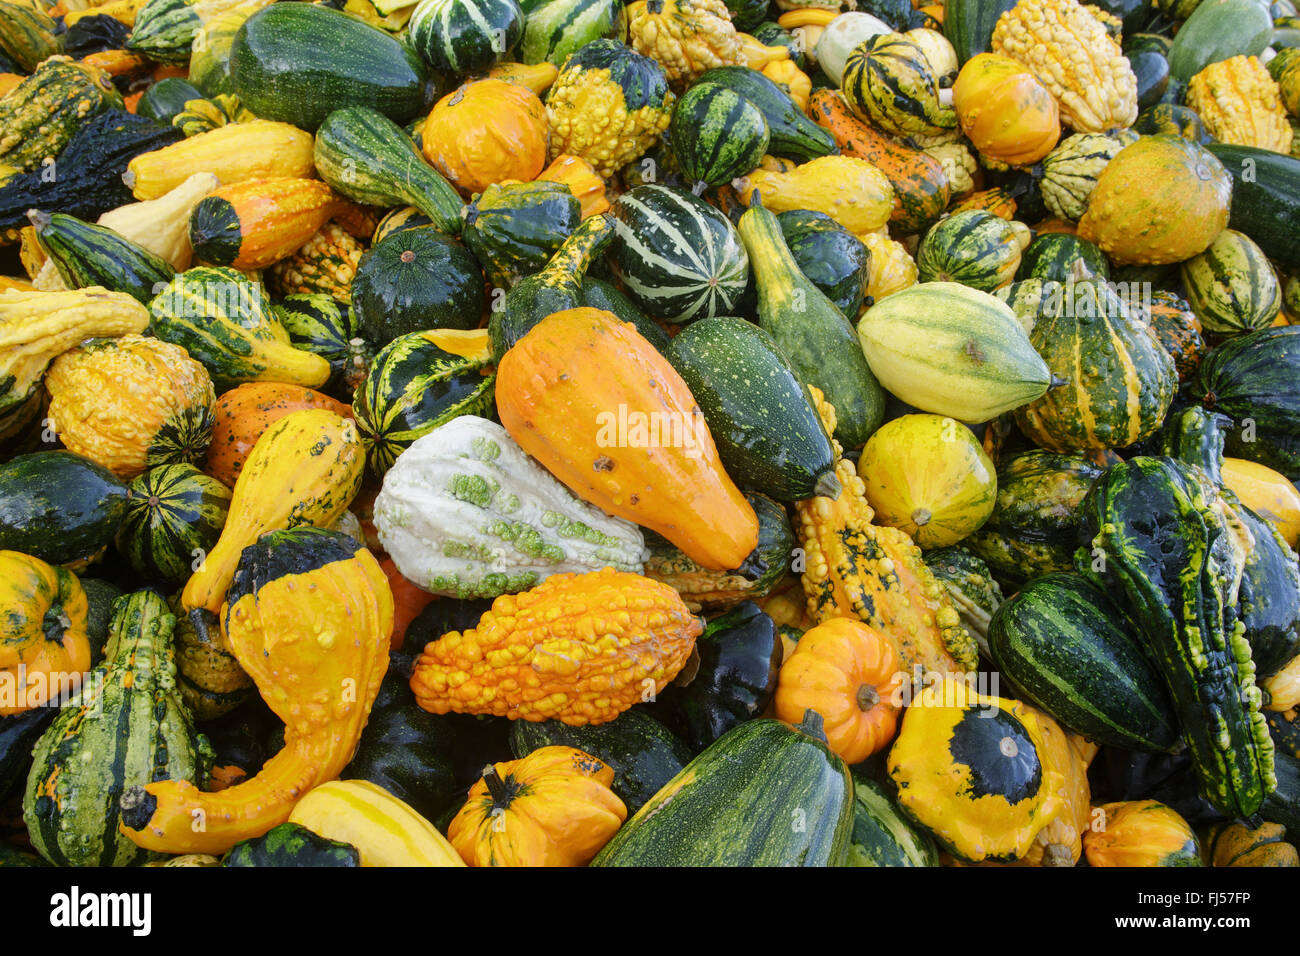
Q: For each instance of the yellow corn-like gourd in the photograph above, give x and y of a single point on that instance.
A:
(259, 149)
(1240, 103)
(855, 569)
(1069, 50)
(686, 37)
(578, 648)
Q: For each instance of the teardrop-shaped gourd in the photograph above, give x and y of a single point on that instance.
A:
(304, 470)
(635, 445)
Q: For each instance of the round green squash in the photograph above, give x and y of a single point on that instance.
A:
(464, 36)
(514, 229)
(317, 322)
(174, 516)
(975, 248)
(1232, 286)
(290, 844)
(413, 281)
(716, 134)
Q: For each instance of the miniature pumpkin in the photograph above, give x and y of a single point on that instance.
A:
(551, 808)
(851, 675)
(485, 132)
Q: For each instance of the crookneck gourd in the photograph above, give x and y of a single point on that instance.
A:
(857, 570)
(127, 727)
(464, 512)
(578, 648)
(309, 616)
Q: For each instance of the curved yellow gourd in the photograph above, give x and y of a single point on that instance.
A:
(1266, 492)
(385, 830)
(304, 470)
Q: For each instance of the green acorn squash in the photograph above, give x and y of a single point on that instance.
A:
(174, 516)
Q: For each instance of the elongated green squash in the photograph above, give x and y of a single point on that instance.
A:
(1158, 546)
(738, 804)
(365, 156)
(87, 255)
(812, 333)
(127, 726)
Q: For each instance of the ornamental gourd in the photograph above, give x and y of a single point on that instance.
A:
(1071, 170)
(553, 807)
(1240, 103)
(555, 399)
(485, 132)
(859, 571)
(385, 830)
(1069, 50)
(970, 769)
(131, 404)
(1161, 199)
(851, 675)
(465, 513)
(1141, 833)
(1005, 111)
(687, 37)
(304, 470)
(889, 83)
(537, 656)
(43, 640)
(851, 191)
(308, 616)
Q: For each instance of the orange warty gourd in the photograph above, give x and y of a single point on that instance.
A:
(1005, 111)
(244, 412)
(578, 648)
(551, 808)
(310, 623)
(851, 675)
(485, 132)
(634, 444)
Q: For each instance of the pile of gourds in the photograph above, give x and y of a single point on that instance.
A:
(474, 432)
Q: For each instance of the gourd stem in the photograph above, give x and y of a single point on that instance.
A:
(867, 697)
(501, 791)
(828, 486)
(812, 725)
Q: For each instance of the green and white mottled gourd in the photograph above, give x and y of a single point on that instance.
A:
(463, 36)
(975, 248)
(1070, 170)
(1231, 286)
(680, 258)
(127, 726)
(554, 29)
(466, 513)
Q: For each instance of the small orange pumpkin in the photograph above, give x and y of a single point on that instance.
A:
(850, 674)
(243, 413)
(485, 132)
(551, 808)
(1005, 111)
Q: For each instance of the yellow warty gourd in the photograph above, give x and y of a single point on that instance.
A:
(686, 37)
(890, 270)
(1069, 50)
(851, 191)
(1240, 103)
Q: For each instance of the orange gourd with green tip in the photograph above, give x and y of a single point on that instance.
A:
(42, 630)
(254, 224)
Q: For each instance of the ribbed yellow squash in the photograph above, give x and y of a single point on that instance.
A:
(928, 476)
(384, 829)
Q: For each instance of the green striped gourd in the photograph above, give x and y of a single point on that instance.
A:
(164, 30)
(680, 258)
(882, 835)
(952, 350)
(1231, 286)
(554, 29)
(127, 726)
(320, 323)
(1069, 650)
(1119, 380)
(975, 248)
(513, 229)
(466, 513)
(225, 320)
(889, 83)
(1188, 616)
(86, 254)
(716, 135)
(414, 386)
(464, 36)
(1034, 527)
(174, 515)
(1070, 170)
(39, 116)
(28, 35)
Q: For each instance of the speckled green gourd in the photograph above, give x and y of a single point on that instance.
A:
(466, 513)
(127, 726)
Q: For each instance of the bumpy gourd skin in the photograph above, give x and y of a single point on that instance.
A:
(588, 117)
(858, 570)
(316, 645)
(1240, 103)
(688, 37)
(39, 116)
(1069, 50)
(579, 648)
